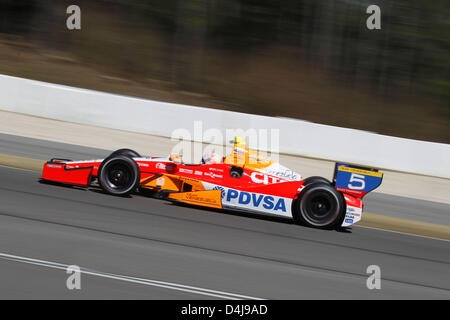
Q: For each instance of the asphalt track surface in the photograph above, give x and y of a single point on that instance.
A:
(143, 248)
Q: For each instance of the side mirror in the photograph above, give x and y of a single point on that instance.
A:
(236, 172)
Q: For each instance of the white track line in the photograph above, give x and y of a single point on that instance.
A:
(148, 282)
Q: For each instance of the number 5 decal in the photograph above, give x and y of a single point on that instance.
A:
(357, 178)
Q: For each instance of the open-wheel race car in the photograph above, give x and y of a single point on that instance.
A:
(244, 180)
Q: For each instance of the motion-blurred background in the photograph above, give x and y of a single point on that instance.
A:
(306, 59)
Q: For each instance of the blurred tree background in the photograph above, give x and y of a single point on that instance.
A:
(307, 59)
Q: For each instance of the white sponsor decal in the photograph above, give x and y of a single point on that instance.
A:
(352, 215)
(161, 166)
(85, 161)
(258, 177)
(257, 202)
(72, 167)
(160, 181)
(239, 150)
(213, 175)
(282, 172)
(54, 166)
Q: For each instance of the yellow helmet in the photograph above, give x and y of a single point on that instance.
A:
(239, 140)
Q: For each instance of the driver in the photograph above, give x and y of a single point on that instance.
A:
(210, 158)
(176, 158)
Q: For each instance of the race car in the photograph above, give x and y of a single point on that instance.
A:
(244, 180)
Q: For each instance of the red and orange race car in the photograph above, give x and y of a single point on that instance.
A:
(244, 180)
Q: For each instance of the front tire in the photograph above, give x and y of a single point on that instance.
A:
(119, 175)
(320, 206)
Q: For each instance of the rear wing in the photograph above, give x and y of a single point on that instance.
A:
(354, 180)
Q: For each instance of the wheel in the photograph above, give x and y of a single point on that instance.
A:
(315, 179)
(119, 175)
(320, 206)
(126, 152)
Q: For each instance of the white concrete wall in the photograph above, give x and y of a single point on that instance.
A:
(159, 118)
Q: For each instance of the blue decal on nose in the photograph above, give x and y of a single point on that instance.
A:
(232, 194)
(257, 199)
(244, 198)
(280, 205)
(268, 202)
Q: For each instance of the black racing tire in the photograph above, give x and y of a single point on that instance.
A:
(316, 179)
(319, 205)
(119, 175)
(126, 152)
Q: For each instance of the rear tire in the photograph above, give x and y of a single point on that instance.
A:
(316, 179)
(119, 175)
(320, 206)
